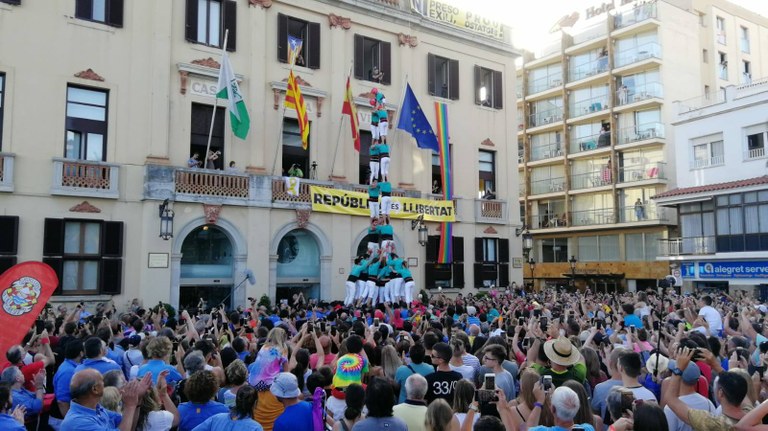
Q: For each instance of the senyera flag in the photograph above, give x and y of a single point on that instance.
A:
(24, 290)
(348, 108)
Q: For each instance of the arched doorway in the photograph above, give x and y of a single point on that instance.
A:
(207, 266)
(298, 265)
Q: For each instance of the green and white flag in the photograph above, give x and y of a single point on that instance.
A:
(228, 89)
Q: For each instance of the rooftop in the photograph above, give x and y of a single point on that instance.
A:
(713, 187)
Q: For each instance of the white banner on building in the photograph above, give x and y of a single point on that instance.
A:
(292, 185)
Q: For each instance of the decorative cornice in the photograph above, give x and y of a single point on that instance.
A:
(339, 21)
(306, 89)
(302, 217)
(89, 74)
(184, 78)
(207, 62)
(211, 212)
(300, 81)
(490, 230)
(84, 207)
(265, 4)
(488, 143)
(407, 39)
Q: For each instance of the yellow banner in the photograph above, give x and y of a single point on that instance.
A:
(447, 13)
(356, 203)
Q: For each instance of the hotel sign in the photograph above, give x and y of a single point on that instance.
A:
(447, 13)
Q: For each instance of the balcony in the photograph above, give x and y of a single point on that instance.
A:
(593, 217)
(642, 132)
(490, 211)
(550, 185)
(544, 83)
(645, 213)
(754, 153)
(637, 54)
(638, 14)
(590, 142)
(205, 182)
(639, 93)
(543, 118)
(708, 162)
(588, 180)
(6, 172)
(697, 245)
(589, 106)
(585, 70)
(541, 152)
(85, 178)
(643, 172)
(546, 221)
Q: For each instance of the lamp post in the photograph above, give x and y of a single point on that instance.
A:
(572, 261)
(166, 220)
(532, 265)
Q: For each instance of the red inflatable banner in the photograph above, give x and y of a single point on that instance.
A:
(24, 290)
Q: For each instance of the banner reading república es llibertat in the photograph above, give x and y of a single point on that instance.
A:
(356, 203)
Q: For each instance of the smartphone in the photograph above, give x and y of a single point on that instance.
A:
(489, 382)
(333, 330)
(656, 325)
(322, 327)
(546, 382)
(632, 328)
(376, 321)
(310, 327)
(599, 323)
(521, 321)
(543, 323)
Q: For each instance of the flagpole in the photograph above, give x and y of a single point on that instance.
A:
(215, 105)
(341, 124)
(292, 61)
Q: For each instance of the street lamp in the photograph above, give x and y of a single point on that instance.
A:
(572, 261)
(423, 233)
(166, 220)
(532, 265)
(527, 242)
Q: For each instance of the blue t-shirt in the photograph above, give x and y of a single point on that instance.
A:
(156, 366)
(102, 365)
(61, 380)
(403, 372)
(585, 427)
(28, 399)
(193, 414)
(294, 418)
(631, 319)
(9, 423)
(80, 418)
(222, 421)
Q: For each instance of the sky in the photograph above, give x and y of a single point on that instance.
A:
(532, 19)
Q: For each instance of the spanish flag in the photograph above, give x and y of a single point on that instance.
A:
(294, 100)
(348, 108)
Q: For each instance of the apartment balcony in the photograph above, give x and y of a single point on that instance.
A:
(708, 162)
(594, 105)
(491, 211)
(550, 185)
(593, 217)
(85, 178)
(641, 133)
(590, 142)
(544, 83)
(643, 214)
(754, 153)
(542, 152)
(697, 245)
(639, 14)
(546, 221)
(639, 95)
(588, 70)
(545, 118)
(637, 55)
(591, 33)
(6, 171)
(590, 180)
(644, 172)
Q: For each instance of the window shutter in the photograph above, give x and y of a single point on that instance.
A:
(282, 38)
(458, 249)
(503, 275)
(359, 57)
(53, 237)
(84, 9)
(314, 45)
(190, 26)
(453, 79)
(9, 240)
(431, 74)
(112, 239)
(230, 23)
(458, 275)
(13, 2)
(478, 278)
(429, 275)
(477, 84)
(433, 247)
(57, 264)
(115, 18)
(498, 90)
(503, 250)
(386, 62)
(111, 276)
(478, 250)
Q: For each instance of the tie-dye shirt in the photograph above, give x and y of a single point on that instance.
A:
(268, 364)
(349, 369)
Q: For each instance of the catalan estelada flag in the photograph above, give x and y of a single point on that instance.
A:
(348, 108)
(294, 100)
(445, 253)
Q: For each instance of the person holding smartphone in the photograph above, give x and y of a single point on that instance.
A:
(493, 356)
(564, 403)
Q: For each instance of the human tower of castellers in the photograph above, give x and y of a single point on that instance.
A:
(380, 275)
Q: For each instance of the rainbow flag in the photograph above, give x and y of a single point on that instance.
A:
(445, 253)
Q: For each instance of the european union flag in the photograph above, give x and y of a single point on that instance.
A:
(413, 121)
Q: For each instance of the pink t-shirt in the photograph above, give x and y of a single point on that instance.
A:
(329, 357)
